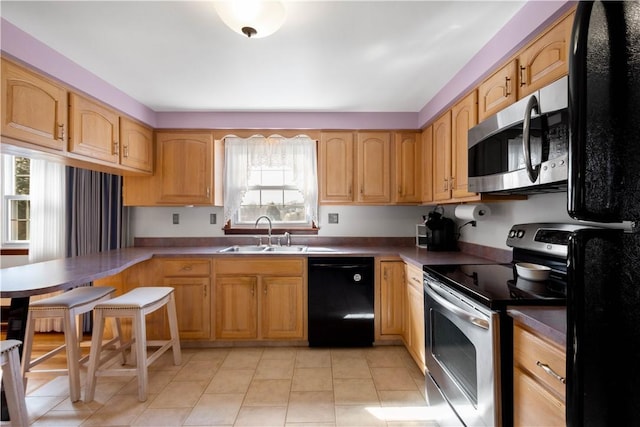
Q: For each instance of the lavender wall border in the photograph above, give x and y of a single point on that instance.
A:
(533, 16)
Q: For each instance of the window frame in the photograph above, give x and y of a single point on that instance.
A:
(8, 196)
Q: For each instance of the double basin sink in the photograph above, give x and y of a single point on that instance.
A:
(255, 249)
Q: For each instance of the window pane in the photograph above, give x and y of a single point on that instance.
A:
(272, 177)
(19, 219)
(272, 197)
(293, 197)
(22, 168)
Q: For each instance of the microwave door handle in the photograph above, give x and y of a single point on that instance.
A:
(532, 104)
(463, 314)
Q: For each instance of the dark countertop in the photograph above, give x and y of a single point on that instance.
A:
(550, 322)
(61, 274)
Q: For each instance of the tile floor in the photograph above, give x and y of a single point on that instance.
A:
(275, 386)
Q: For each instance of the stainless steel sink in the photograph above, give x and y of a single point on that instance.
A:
(255, 249)
(262, 249)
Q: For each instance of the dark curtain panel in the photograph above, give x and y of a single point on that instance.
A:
(96, 217)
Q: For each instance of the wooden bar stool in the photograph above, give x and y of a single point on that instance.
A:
(68, 306)
(13, 386)
(135, 304)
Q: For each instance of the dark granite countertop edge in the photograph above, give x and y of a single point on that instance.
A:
(550, 322)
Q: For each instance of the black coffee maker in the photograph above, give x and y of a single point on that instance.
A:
(441, 231)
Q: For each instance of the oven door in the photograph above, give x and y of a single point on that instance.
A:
(463, 354)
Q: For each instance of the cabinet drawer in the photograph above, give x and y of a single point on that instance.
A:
(540, 358)
(268, 265)
(186, 267)
(414, 277)
(533, 404)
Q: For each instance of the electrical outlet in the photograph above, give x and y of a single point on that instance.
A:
(176, 218)
(212, 218)
(333, 218)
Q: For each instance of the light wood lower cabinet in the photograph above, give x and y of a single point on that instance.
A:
(391, 299)
(538, 379)
(260, 299)
(414, 320)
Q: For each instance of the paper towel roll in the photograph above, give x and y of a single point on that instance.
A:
(472, 212)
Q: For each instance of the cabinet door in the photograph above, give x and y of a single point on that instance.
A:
(192, 306)
(34, 109)
(236, 307)
(546, 59)
(94, 130)
(415, 299)
(427, 165)
(392, 295)
(497, 91)
(185, 165)
(335, 167)
(408, 164)
(136, 143)
(463, 117)
(282, 308)
(442, 157)
(374, 156)
(533, 405)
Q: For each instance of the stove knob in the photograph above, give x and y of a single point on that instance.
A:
(512, 234)
(520, 234)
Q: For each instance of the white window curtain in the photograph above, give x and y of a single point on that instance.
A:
(47, 224)
(298, 154)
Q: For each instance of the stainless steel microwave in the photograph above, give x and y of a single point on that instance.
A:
(524, 148)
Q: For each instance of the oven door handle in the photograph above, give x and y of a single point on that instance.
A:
(439, 297)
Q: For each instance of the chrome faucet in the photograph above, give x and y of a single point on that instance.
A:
(269, 220)
(287, 237)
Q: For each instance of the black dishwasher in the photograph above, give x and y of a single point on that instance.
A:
(340, 301)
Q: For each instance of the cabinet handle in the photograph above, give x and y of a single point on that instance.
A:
(523, 82)
(265, 290)
(186, 268)
(205, 291)
(507, 91)
(362, 189)
(446, 184)
(415, 279)
(384, 274)
(400, 190)
(453, 182)
(116, 147)
(253, 290)
(61, 132)
(551, 372)
(208, 192)
(125, 150)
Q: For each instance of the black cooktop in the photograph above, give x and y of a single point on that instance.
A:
(498, 286)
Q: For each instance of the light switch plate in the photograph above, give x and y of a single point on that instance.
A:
(212, 218)
(333, 218)
(176, 218)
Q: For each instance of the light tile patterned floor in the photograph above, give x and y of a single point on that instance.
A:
(290, 386)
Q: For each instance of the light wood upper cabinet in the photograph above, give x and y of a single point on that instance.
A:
(546, 59)
(498, 91)
(136, 142)
(463, 117)
(185, 167)
(407, 147)
(34, 109)
(427, 165)
(442, 157)
(392, 298)
(373, 153)
(95, 130)
(335, 167)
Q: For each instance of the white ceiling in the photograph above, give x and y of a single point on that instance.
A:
(330, 56)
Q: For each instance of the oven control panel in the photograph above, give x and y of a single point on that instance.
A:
(549, 238)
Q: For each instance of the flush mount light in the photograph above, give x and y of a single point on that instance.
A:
(253, 18)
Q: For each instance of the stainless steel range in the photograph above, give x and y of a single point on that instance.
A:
(469, 335)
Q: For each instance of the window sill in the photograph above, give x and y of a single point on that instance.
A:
(228, 230)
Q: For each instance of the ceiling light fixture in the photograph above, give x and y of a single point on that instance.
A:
(253, 18)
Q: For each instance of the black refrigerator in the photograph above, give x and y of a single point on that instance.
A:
(603, 296)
